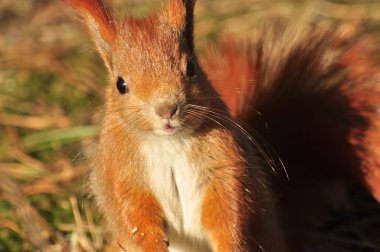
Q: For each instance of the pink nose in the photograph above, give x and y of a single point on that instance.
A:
(166, 111)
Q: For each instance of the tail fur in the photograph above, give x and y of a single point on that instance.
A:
(315, 97)
(318, 93)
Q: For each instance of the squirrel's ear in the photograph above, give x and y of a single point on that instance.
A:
(100, 24)
(179, 15)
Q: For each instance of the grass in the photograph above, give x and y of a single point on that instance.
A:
(51, 86)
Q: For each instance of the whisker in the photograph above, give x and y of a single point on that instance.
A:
(218, 114)
(204, 115)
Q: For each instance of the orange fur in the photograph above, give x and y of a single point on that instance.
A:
(95, 9)
(314, 96)
(319, 82)
(201, 187)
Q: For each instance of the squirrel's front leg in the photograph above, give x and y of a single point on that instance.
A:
(239, 219)
(143, 223)
(220, 218)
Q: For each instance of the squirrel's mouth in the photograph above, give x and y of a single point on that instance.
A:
(169, 128)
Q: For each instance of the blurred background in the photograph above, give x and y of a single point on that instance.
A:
(51, 87)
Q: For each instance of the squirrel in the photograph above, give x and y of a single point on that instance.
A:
(173, 171)
(176, 171)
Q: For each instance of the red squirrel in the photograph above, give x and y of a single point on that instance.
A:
(175, 171)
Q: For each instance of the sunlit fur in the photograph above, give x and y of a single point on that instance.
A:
(314, 94)
(193, 181)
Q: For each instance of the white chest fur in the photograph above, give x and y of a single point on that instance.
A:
(177, 184)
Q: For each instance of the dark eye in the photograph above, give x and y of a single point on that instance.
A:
(190, 68)
(121, 86)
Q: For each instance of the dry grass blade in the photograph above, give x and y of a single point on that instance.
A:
(11, 225)
(79, 237)
(36, 230)
(33, 122)
(95, 234)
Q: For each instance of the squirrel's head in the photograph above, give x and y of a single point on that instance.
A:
(154, 73)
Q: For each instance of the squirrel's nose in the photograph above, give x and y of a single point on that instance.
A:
(166, 110)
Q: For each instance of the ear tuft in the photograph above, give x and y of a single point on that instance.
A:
(100, 24)
(180, 16)
(176, 14)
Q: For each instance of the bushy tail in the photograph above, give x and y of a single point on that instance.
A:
(314, 95)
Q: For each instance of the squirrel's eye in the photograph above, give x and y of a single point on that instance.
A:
(190, 68)
(121, 86)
